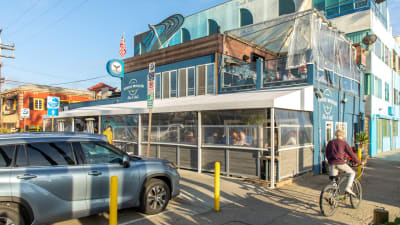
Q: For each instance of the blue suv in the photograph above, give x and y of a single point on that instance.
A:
(50, 177)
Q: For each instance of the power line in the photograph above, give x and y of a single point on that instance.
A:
(23, 14)
(71, 82)
(55, 22)
(36, 18)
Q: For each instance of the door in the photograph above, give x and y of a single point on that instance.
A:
(102, 161)
(48, 177)
(379, 135)
(6, 158)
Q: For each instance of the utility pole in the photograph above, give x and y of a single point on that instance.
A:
(6, 47)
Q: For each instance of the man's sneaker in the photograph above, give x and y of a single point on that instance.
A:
(350, 192)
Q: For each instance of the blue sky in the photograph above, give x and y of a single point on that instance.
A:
(60, 41)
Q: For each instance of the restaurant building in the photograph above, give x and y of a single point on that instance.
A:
(358, 18)
(262, 98)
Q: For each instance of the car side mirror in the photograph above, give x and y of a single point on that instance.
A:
(126, 161)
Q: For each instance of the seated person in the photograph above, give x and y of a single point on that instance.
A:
(213, 139)
(278, 76)
(250, 80)
(189, 137)
(290, 76)
(244, 140)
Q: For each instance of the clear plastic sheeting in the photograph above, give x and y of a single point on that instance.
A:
(304, 38)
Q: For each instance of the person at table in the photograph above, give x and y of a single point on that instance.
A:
(244, 139)
(290, 76)
(189, 137)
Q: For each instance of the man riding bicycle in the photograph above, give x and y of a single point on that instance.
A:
(335, 151)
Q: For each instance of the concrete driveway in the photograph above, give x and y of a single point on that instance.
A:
(243, 202)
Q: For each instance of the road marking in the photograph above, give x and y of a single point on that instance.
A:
(143, 218)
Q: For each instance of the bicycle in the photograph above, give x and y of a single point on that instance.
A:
(334, 193)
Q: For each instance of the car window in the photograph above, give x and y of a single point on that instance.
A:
(96, 153)
(50, 154)
(21, 157)
(6, 155)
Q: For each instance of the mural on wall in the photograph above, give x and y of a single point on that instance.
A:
(158, 34)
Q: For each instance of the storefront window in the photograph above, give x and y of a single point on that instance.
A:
(295, 128)
(235, 127)
(173, 83)
(124, 127)
(179, 127)
(158, 85)
(191, 81)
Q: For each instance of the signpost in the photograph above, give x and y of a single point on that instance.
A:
(53, 105)
(150, 100)
(25, 114)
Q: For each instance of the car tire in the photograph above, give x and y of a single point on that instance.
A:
(155, 196)
(10, 216)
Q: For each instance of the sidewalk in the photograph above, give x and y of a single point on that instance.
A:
(247, 203)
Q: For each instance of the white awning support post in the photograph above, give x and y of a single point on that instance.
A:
(272, 148)
(199, 141)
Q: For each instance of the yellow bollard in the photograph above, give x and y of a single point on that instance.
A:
(113, 200)
(359, 167)
(217, 186)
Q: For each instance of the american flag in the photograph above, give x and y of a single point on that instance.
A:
(122, 47)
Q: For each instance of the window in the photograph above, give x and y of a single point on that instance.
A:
(377, 87)
(210, 79)
(395, 128)
(367, 84)
(50, 154)
(286, 7)
(190, 81)
(387, 92)
(165, 85)
(173, 84)
(378, 48)
(6, 155)
(182, 82)
(212, 27)
(38, 104)
(21, 157)
(201, 80)
(328, 132)
(185, 35)
(158, 86)
(97, 153)
(246, 17)
(205, 79)
(385, 128)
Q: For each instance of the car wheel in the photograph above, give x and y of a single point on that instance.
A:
(10, 217)
(155, 196)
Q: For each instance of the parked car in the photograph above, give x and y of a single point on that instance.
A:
(50, 177)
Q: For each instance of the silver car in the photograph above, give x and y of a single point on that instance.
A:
(50, 177)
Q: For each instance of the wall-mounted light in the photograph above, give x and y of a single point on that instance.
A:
(344, 100)
(246, 57)
(318, 93)
(369, 40)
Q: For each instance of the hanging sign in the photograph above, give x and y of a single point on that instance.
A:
(115, 68)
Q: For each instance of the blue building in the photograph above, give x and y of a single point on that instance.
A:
(357, 18)
(263, 97)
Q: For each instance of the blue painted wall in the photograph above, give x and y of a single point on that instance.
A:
(139, 78)
(330, 108)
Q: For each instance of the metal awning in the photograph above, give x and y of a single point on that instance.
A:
(295, 98)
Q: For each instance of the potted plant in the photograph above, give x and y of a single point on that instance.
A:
(362, 140)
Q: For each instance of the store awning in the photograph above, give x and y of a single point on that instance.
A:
(300, 98)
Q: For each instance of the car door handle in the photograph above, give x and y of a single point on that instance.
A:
(26, 176)
(95, 173)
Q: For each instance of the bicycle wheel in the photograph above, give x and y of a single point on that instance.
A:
(329, 200)
(357, 189)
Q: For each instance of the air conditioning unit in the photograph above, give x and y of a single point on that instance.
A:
(390, 111)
